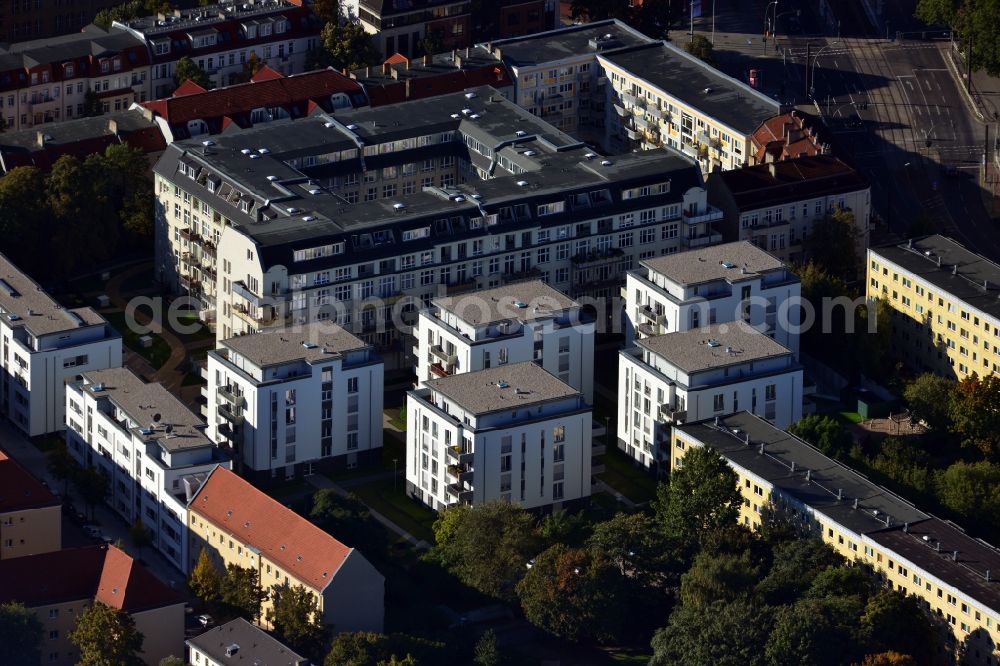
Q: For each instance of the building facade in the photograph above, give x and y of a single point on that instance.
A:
(223, 39)
(776, 205)
(219, 645)
(238, 524)
(294, 401)
(42, 345)
(700, 373)
(944, 305)
(30, 515)
(153, 450)
(713, 285)
(513, 433)
(362, 218)
(904, 548)
(59, 586)
(522, 321)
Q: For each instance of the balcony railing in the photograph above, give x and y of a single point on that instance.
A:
(456, 453)
(711, 215)
(463, 286)
(438, 370)
(438, 352)
(231, 413)
(521, 276)
(702, 240)
(597, 256)
(226, 393)
(672, 415)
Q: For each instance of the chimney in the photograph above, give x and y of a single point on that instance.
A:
(386, 68)
(954, 555)
(772, 168)
(407, 84)
(855, 503)
(40, 139)
(407, 64)
(345, 72)
(113, 126)
(428, 59)
(468, 52)
(458, 59)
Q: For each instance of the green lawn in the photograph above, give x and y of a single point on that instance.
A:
(851, 417)
(397, 507)
(201, 333)
(621, 474)
(157, 354)
(397, 417)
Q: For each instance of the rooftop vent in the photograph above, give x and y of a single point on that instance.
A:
(470, 95)
(352, 127)
(263, 151)
(272, 178)
(530, 153)
(520, 305)
(293, 210)
(455, 115)
(713, 343)
(605, 162)
(232, 649)
(308, 344)
(254, 156)
(328, 125)
(522, 183)
(398, 206)
(315, 190)
(520, 133)
(246, 151)
(590, 156)
(474, 116)
(466, 112)
(728, 264)
(207, 143)
(308, 218)
(502, 384)
(707, 91)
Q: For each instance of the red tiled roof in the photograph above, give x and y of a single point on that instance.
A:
(771, 139)
(397, 58)
(20, 490)
(266, 73)
(101, 573)
(188, 87)
(283, 536)
(245, 97)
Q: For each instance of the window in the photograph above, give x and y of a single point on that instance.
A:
(718, 402)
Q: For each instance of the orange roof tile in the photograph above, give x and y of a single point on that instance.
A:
(19, 490)
(266, 73)
(283, 536)
(189, 87)
(396, 58)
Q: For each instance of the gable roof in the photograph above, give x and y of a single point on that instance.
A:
(19, 489)
(792, 134)
(100, 573)
(791, 180)
(283, 536)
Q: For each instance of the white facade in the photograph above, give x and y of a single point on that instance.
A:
(151, 447)
(41, 346)
(698, 374)
(747, 284)
(537, 323)
(534, 453)
(285, 401)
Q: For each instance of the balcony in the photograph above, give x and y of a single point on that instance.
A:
(189, 283)
(447, 359)
(633, 134)
(641, 123)
(521, 276)
(226, 393)
(439, 370)
(619, 109)
(208, 251)
(461, 473)
(190, 236)
(672, 415)
(456, 453)
(462, 287)
(241, 290)
(694, 217)
(231, 413)
(648, 330)
(702, 240)
(652, 315)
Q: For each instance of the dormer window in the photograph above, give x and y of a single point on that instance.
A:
(118, 64)
(69, 69)
(105, 66)
(245, 206)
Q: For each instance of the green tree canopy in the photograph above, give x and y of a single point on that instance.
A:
(972, 490)
(242, 592)
(574, 594)
(929, 399)
(349, 46)
(702, 496)
(895, 622)
(813, 632)
(825, 433)
(20, 635)
(832, 244)
(976, 413)
(188, 70)
(720, 634)
(487, 650)
(206, 580)
(634, 543)
(93, 486)
(795, 566)
(486, 546)
(106, 636)
(140, 536)
(297, 620)
(701, 48)
(719, 577)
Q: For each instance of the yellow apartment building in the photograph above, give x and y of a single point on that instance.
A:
(30, 515)
(905, 548)
(945, 302)
(238, 524)
(60, 585)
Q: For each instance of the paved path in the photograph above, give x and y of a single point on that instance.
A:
(321, 482)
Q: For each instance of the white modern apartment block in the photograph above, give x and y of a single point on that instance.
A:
(152, 448)
(521, 321)
(713, 285)
(292, 401)
(42, 345)
(698, 374)
(513, 433)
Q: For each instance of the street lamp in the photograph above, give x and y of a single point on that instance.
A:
(812, 74)
(394, 461)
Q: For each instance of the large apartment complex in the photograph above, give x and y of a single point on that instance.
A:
(713, 285)
(42, 344)
(293, 401)
(522, 321)
(703, 372)
(513, 433)
(945, 305)
(906, 549)
(776, 205)
(362, 218)
(30, 515)
(153, 450)
(238, 524)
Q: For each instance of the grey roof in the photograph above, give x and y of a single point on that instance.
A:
(199, 17)
(733, 262)
(826, 476)
(254, 646)
(685, 77)
(524, 301)
(143, 401)
(562, 43)
(965, 275)
(312, 342)
(73, 130)
(504, 387)
(24, 303)
(714, 346)
(60, 48)
(553, 165)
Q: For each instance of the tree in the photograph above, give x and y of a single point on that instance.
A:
(23, 216)
(349, 46)
(487, 651)
(358, 648)
(92, 104)
(888, 659)
(832, 244)
(938, 12)
(431, 43)
(972, 490)
(720, 634)
(328, 11)
(718, 577)
(976, 412)
(563, 527)
(393, 660)
(929, 399)
(20, 635)
(795, 566)
(297, 620)
(140, 536)
(171, 660)
(841, 581)
(893, 621)
(61, 464)
(106, 636)
(599, 10)
(242, 592)
(206, 580)
(812, 632)
(347, 517)
(702, 496)
(573, 594)
(702, 49)
(93, 485)
(634, 543)
(188, 70)
(486, 546)
(825, 433)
